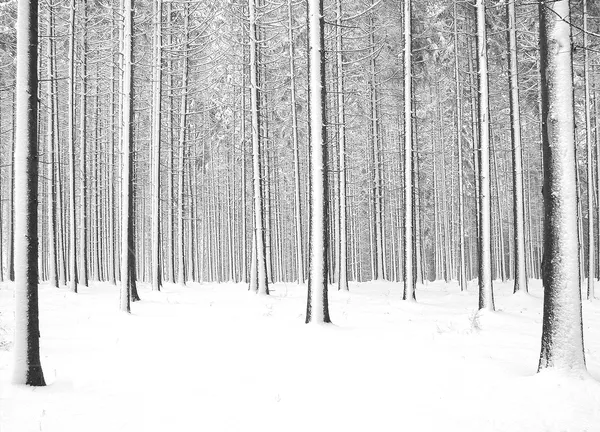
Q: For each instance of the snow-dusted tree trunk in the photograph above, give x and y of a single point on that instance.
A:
(259, 223)
(342, 212)
(378, 243)
(181, 276)
(126, 156)
(408, 249)
(112, 263)
(486, 296)
(244, 270)
(156, 137)
(171, 175)
(297, 201)
(83, 238)
(517, 152)
(562, 335)
(462, 277)
(27, 367)
(590, 159)
(51, 178)
(71, 140)
(317, 310)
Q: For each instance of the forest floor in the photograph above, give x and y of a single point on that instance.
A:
(211, 357)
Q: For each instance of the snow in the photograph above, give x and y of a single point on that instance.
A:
(217, 358)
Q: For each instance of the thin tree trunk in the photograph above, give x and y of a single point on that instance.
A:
(590, 162)
(409, 243)
(517, 152)
(71, 138)
(156, 140)
(51, 180)
(486, 296)
(181, 276)
(462, 278)
(126, 158)
(377, 189)
(83, 238)
(342, 212)
(297, 200)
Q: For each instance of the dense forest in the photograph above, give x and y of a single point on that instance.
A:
(261, 141)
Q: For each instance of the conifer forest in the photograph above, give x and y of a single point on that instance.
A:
(281, 215)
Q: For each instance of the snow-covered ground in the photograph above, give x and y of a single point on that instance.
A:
(216, 358)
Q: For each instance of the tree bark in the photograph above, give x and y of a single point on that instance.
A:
(409, 243)
(259, 218)
(126, 157)
(317, 310)
(590, 161)
(51, 180)
(517, 152)
(562, 334)
(156, 141)
(486, 295)
(27, 366)
(342, 212)
(462, 277)
(71, 139)
(83, 238)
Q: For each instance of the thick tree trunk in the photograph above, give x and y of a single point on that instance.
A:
(317, 310)
(562, 334)
(27, 366)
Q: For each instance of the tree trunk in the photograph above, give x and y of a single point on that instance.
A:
(83, 238)
(590, 161)
(409, 243)
(51, 180)
(156, 139)
(297, 200)
(259, 223)
(317, 309)
(27, 366)
(562, 336)
(181, 276)
(462, 277)
(342, 212)
(377, 189)
(517, 152)
(126, 157)
(71, 139)
(486, 295)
